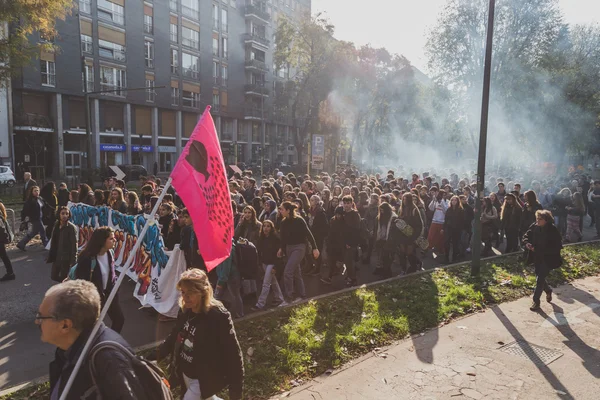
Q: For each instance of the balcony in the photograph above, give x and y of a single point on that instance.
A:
(256, 89)
(189, 12)
(257, 13)
(32, 121)
(280, 118)
(252, 113)
(250, 38)
(256, 65)
(190, 73)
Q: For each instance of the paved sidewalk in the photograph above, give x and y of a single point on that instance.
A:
(474, 357)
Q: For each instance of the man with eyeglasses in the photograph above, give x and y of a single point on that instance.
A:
(66, 318)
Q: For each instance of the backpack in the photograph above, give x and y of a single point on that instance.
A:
(246, 259)
(151, 377)
(73, 271)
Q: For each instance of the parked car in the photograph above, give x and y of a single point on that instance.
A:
(7, 177)
(132, 172)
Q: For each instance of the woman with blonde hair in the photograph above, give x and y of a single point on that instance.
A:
(116, 201)
(203, 344)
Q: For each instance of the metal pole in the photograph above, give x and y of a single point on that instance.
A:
(88, 123)
(113, 293)
(476, 246)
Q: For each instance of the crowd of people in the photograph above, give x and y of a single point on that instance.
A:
(323, 226)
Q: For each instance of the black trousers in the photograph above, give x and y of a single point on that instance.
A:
(6, 260)
(540, 284)
(115, 314)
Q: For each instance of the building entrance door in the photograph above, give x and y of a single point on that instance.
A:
(72, 164)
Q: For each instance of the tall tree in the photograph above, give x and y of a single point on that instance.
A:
(23, 18)
(315, 58)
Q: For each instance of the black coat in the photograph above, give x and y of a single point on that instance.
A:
(528, 216)
(83, 272)
(547, 244)
(416, 223)
(116, 378)
(32, 209)
(63, 248)
(267, 249)
(335, 240)
(511, 219)
(319, 227)
(455, 220)
(217, 359)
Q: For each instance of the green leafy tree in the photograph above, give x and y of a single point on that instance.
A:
(24, 17)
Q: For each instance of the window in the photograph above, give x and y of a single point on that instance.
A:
(175, 96)
(216, 72)
(148, 24)
(174, 33)
(189, 65)
(190, 37)
(174, 61)
(48, 73)
(89, 69)
(111, 50)
(224, 24)
(215, 46)
(189, 8)
(150, 93)
(216, 100)
(85, 6)
(87, 44)
(224, 75)
(111, 12)
(191, 99)
(149, 53)
(233, 3)
(224, 47)
(113, 79)
(173, 5)
(215, 16)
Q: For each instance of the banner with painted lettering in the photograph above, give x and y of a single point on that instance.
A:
(155, 270)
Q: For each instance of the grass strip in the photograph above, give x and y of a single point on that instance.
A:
(284, 348)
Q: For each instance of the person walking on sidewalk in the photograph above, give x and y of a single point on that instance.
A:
(268, 244)
(294, 235)
(63, 248)
(319, 227)
(6, 237)
(32, 212)
(544, 243)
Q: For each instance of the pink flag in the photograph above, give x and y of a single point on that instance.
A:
(200, 180)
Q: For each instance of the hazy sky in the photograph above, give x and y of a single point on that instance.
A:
(401, 25)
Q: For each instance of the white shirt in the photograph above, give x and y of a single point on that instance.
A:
(104, 266)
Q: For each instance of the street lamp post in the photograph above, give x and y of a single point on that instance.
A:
(476, 246)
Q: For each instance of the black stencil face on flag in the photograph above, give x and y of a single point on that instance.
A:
(215, 190)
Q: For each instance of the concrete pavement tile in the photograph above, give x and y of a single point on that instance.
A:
(471, 394)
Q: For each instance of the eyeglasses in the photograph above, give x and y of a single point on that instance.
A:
(39, 317)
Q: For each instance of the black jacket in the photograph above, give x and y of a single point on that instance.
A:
(116, 378)
(63, 248)
(416, 223)
(164, 225)
(32, 209)
(211, 342)
(511, 219)
(528, 216)
(267, 249)
(335, 240)
(352, 228)
(319, 227)
(455, 220)
(83, 272)
(547, 244)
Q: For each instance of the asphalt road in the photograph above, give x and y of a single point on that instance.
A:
(23, 357)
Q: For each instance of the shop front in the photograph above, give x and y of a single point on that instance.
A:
(167, 158)
(112, 154)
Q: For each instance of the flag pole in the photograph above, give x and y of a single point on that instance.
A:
(113, 293)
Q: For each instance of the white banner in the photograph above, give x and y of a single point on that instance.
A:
(155, 270)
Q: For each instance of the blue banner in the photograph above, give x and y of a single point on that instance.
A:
(118, 148)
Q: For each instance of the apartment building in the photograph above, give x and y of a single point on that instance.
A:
(152, 67)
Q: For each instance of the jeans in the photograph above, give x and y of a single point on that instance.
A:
(6, 260)
(269, 281)
(234, 284)
(292, 275)
(540, 284)
(36, 227)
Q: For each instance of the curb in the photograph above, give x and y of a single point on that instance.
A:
(304, 301)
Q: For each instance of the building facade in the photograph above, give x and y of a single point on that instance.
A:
(151, 68)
